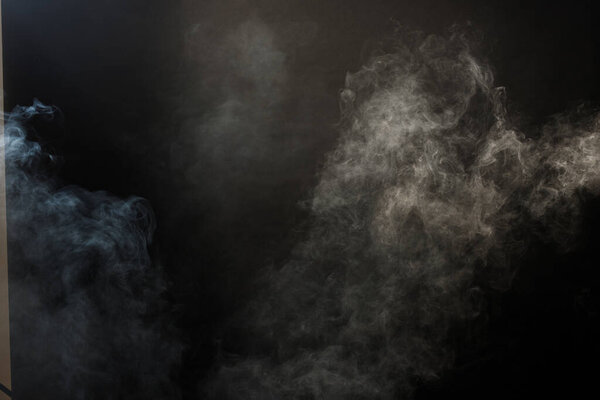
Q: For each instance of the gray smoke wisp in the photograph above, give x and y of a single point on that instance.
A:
(428, 186)
(87, 317)
(245, 75)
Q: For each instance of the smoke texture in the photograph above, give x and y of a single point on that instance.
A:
(243, 76)
(422, 211)
(87, 309)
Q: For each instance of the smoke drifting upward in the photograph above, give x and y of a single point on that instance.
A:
(421, 211)
(87, 318)
(245, 74)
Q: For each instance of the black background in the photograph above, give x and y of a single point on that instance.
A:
(123, 77)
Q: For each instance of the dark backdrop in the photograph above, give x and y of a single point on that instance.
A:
(139, 84)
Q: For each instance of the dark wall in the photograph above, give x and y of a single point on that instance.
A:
(157, 101)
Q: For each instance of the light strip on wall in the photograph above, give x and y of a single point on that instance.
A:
(5, 378)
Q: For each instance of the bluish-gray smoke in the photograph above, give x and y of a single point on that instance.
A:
(87, 317)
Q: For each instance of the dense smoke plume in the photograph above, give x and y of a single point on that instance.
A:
(422, 210)
(87, 317)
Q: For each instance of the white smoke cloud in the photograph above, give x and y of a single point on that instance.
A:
(426, 189)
